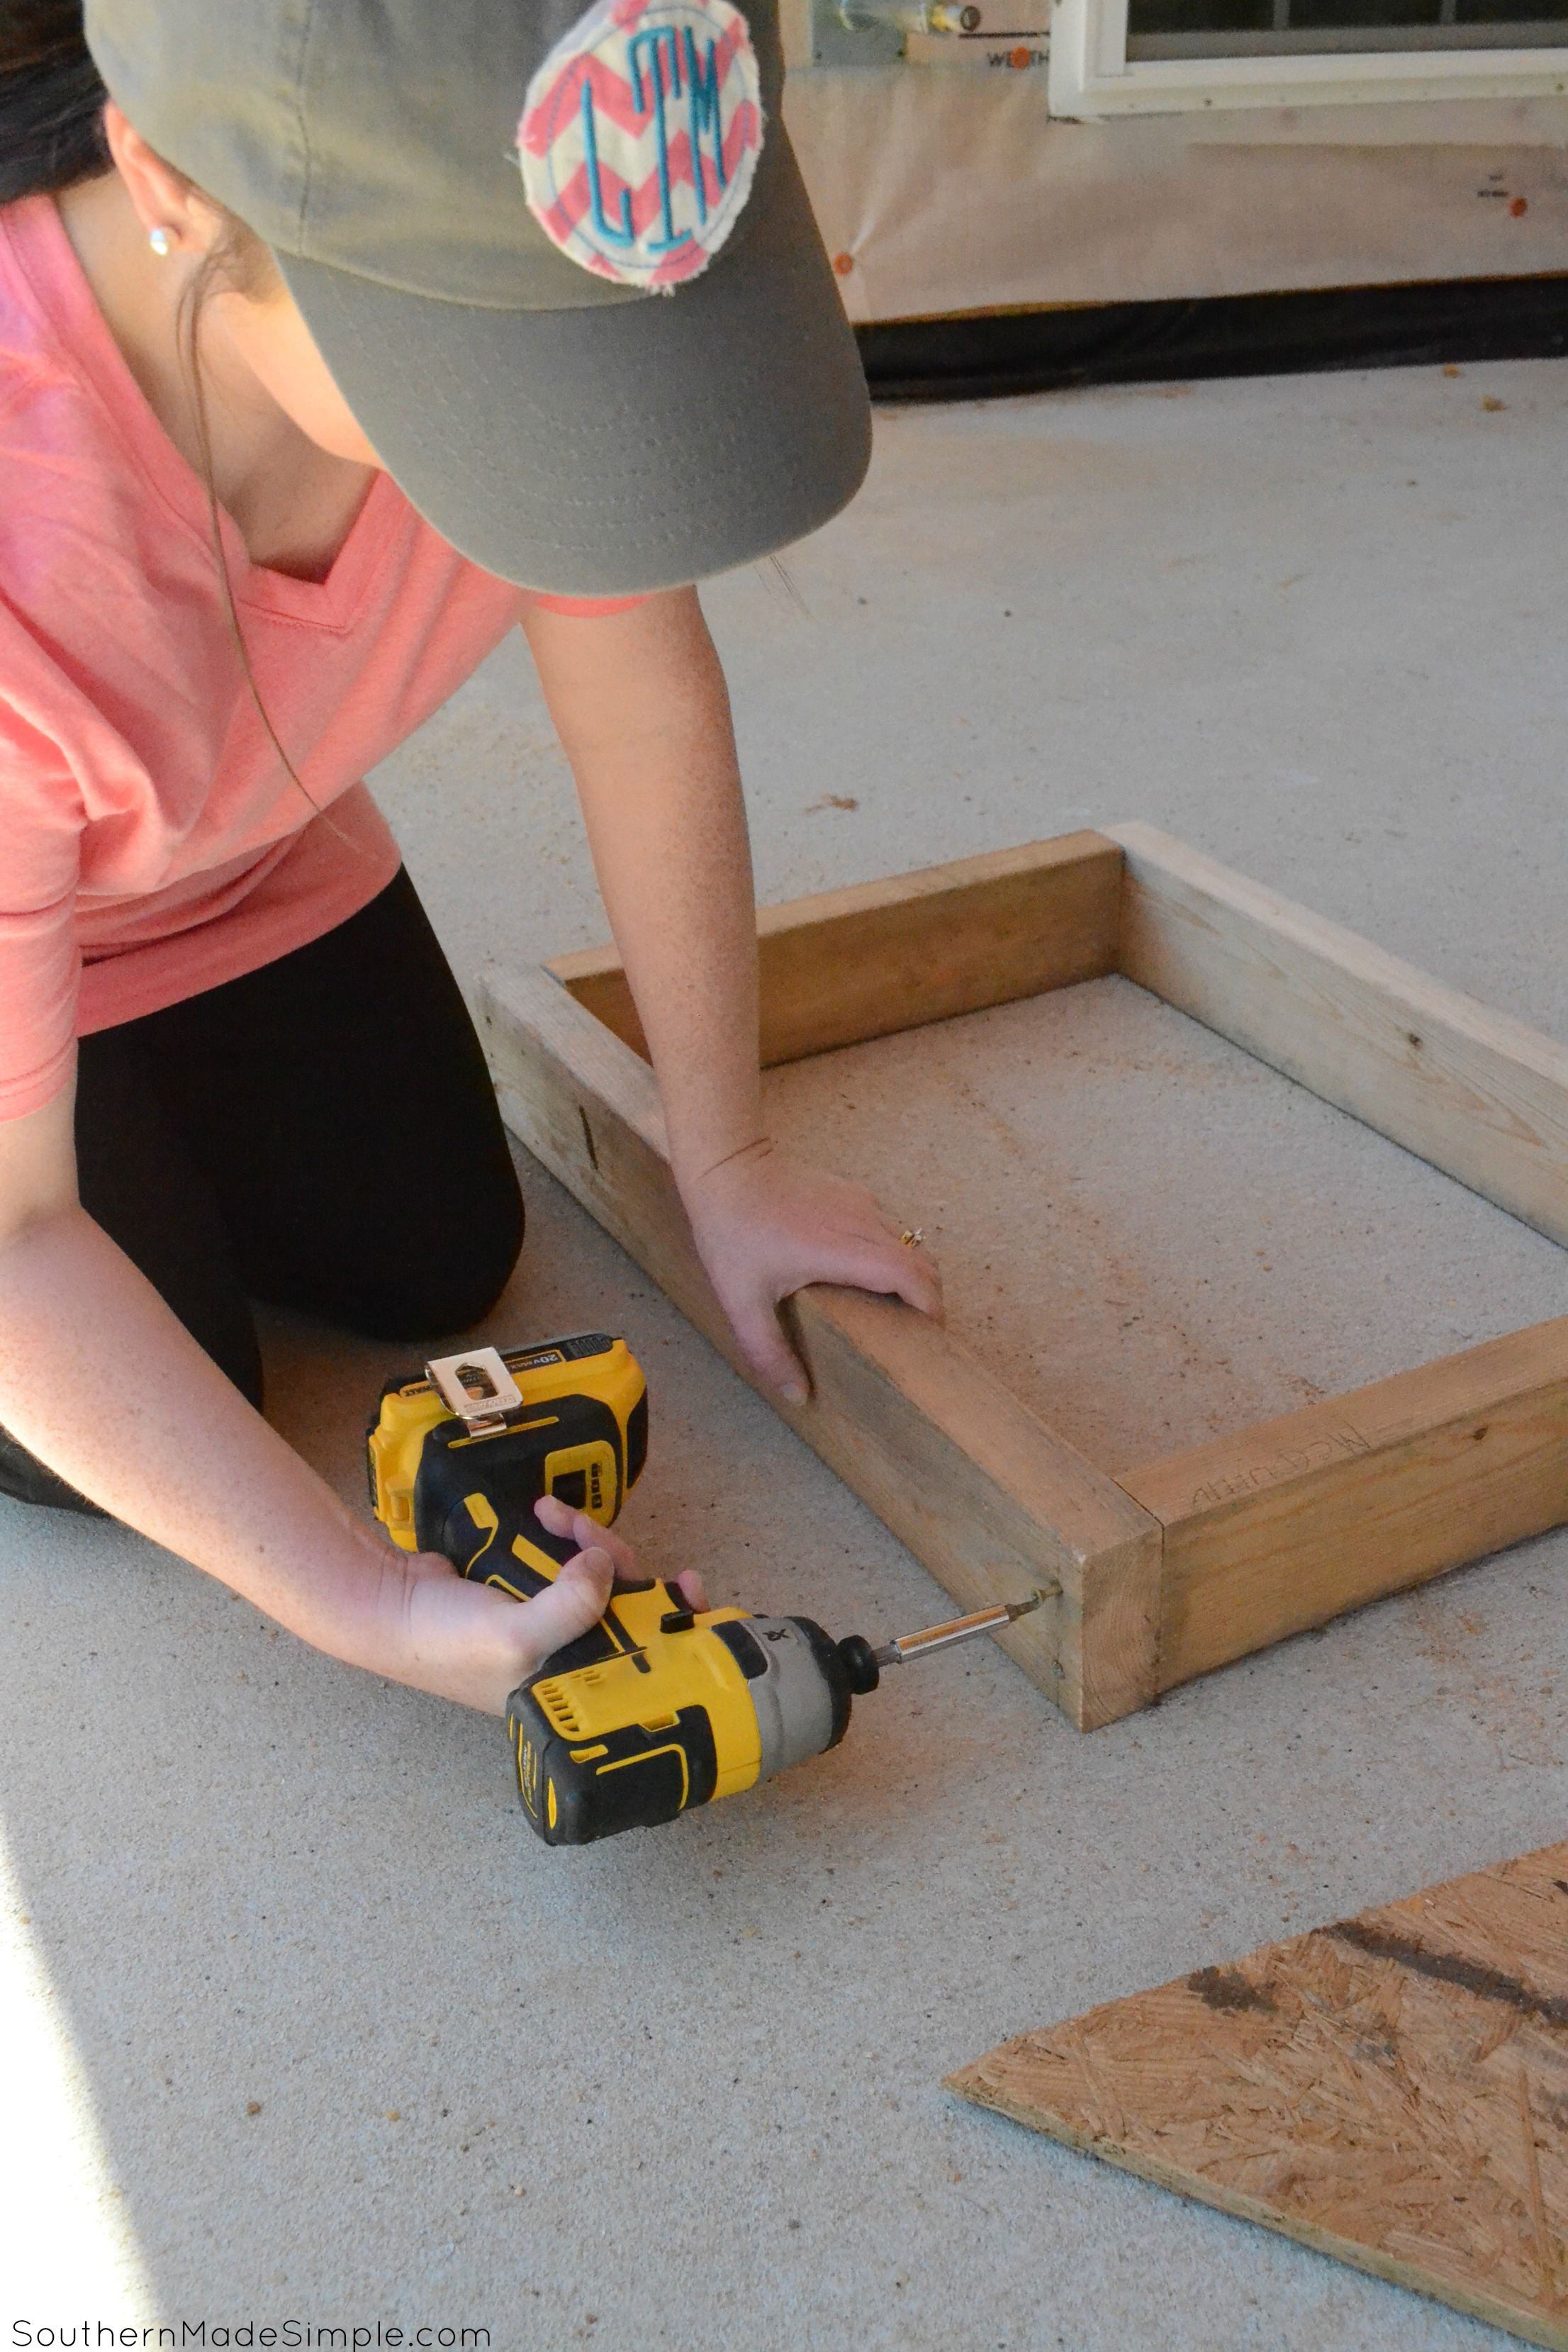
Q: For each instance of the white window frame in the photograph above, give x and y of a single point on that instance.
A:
(1090, 77)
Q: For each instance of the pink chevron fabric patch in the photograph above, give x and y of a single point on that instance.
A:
(640, 137)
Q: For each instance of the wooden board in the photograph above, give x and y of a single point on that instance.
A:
(1479, 1096)
(1392, 2090)
(1293, 1521)
(1185, 1563)
(863, 962)
(992, 1503)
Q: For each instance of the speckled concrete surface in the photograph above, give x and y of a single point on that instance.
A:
(355, 2048)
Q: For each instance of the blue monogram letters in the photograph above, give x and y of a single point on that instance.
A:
(704, 114)
(655, 59)
(626, 234)
(661, 43)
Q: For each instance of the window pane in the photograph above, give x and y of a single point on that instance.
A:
(1199, 17)
(1343, 16)
(1512, 12)
(1255, 28)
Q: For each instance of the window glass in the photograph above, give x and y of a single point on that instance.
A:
(1176, 29)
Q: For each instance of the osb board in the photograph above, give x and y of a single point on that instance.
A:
(1392, 2090)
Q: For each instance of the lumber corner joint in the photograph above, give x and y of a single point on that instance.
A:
(993, 1503)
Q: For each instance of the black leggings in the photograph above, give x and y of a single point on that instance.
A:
(320, 1134)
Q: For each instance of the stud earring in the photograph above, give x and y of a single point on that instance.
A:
(160, 242)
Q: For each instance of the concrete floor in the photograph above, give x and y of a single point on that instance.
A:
(318, 2033)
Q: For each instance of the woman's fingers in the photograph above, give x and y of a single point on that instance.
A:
(578, 1599)
(891, 1269)
(691, 1587)
(558, 1518)
(767, 1229)
(561, 1520)
(755, 1323)
(577, 1528)
(905, 1272)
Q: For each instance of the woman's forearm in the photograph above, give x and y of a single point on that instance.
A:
(101, 1381)
(640, 704)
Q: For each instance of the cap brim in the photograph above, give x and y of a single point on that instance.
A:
(630, 446)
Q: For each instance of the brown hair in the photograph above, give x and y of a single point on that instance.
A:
(52, 101)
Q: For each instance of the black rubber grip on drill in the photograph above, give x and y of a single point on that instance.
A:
(858, 1660)
(654, 1776)
(508, 1472)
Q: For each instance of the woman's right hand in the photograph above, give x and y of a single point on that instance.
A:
(438, 1633)
(474, 1644)
(241, 1505)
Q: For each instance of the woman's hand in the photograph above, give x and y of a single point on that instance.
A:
(561, 1520)
(472, 1643)
(639, 703)
(764, 1227)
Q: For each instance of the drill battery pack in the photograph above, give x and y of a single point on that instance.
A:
(574, 1424)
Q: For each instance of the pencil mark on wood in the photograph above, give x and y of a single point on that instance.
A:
(1227, 1988)
(1341, 1446)
(1450, 1968)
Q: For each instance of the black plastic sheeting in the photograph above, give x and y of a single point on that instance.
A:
(985, 358)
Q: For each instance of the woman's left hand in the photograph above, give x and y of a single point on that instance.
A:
(765, 1226)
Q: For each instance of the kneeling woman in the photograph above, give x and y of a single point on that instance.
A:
(325, 359)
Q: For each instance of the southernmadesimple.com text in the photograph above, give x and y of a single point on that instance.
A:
(246, 2335)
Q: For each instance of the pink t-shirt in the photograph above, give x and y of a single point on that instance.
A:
(151, 843)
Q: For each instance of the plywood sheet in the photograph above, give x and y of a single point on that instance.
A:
(1392, 2090)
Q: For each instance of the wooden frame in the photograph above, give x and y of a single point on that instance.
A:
(1171, 1568)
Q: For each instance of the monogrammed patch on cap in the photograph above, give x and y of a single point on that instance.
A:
(640, 136)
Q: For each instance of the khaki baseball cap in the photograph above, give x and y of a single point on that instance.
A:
(560, 262)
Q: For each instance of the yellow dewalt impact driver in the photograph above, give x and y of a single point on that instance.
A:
(658, 1707)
